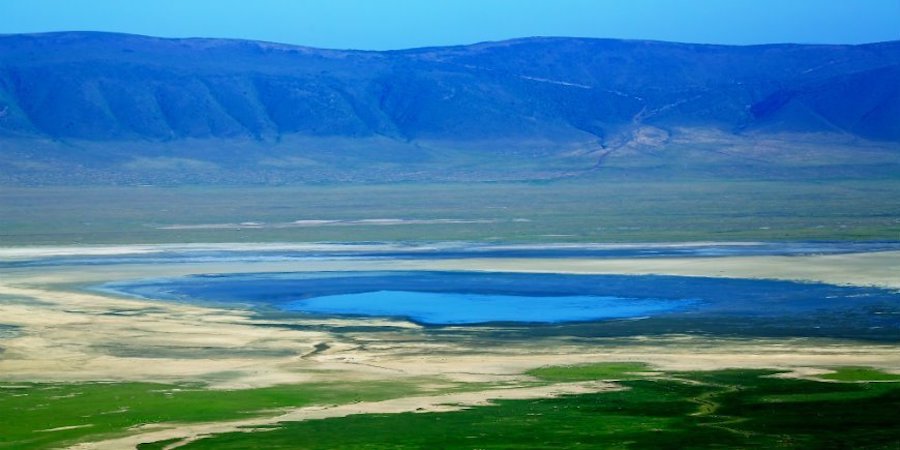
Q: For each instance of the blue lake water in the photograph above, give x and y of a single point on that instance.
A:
(616, 304)
(454, 308)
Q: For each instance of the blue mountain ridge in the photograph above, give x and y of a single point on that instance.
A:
(209, 110)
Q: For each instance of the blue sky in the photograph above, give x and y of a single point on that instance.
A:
(394, 24)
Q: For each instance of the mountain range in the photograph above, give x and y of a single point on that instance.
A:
(88, 107)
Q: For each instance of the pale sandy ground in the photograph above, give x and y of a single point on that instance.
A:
(880, 269)
(32, 252)
(68, 334)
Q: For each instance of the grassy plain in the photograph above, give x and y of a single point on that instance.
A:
(561, 211)
(45, 415)
(860, 374)
(671, 409)
(717, 409)
(605, 371)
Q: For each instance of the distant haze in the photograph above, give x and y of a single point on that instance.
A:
(400, 24)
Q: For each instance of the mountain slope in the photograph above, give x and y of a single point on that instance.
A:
(107, 102)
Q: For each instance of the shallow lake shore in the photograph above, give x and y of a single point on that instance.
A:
(68, 334)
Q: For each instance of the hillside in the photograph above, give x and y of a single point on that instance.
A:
(108, 108)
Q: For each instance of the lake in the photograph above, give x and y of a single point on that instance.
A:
(447, 308)
(663, 304)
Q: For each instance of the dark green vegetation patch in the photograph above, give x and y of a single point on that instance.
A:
(721, 409)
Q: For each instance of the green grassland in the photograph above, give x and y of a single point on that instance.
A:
(586, 372)
(29, 412)
(559, 211)
(712, 409)
(862, 374)
(718, 409)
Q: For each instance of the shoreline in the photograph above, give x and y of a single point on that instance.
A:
(866, 269)
(65, 333)
(58, 312)
(875, 269)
